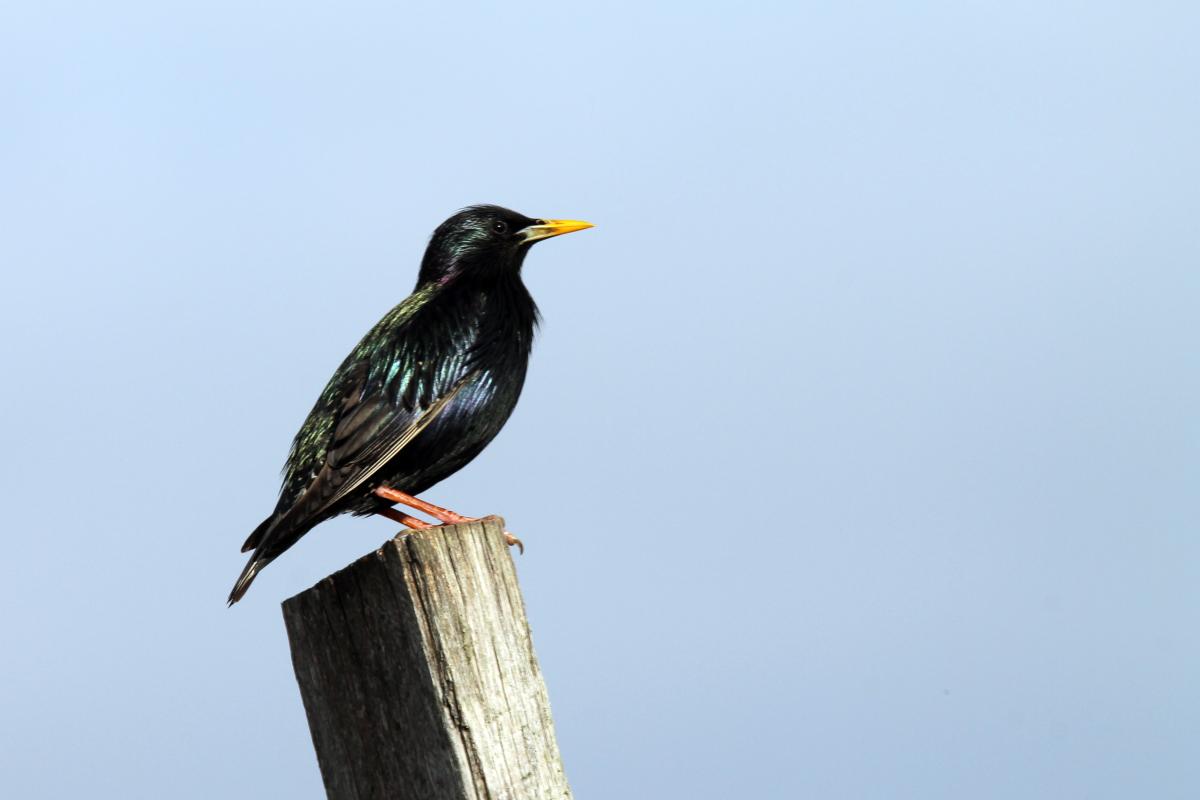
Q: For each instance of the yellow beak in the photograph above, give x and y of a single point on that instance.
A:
(545, 228)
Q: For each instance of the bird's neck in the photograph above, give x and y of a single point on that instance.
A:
(500, 305)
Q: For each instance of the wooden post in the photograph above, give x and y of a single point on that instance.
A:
(418, 674)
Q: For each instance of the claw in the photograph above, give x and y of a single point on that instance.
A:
(417, 524)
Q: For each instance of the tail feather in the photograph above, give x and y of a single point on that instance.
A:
(256, 536)
(269, 540)
(244, 580)
(257, 561)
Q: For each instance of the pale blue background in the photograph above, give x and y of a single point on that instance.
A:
(860, 451)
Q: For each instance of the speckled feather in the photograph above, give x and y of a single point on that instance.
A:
(421, 394)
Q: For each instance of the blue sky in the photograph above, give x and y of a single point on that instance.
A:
(859, 452)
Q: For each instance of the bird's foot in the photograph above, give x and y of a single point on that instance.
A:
(509, 539)
(443, 515)
(420, 524)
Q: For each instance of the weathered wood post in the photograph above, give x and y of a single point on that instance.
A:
(418, 674)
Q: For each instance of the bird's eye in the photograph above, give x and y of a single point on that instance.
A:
(500, 226)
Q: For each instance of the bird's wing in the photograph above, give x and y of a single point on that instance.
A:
(400, 379)
(376, 421)
(374, 431)
(397, 388)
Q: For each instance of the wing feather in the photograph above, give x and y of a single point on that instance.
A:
(384, 448)
(395, 383)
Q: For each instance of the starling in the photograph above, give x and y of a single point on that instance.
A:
(423, 392)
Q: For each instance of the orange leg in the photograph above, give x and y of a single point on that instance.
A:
(405, 519)
(437, 512)
(443, 515)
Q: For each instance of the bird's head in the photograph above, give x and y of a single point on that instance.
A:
(486, 241)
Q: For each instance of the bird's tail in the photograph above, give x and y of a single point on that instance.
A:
(244, 580)
(257, 561)
(256, 536)
(269, 540)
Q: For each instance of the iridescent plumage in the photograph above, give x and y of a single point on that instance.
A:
(424, 391)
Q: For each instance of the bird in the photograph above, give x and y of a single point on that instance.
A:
(423, 392)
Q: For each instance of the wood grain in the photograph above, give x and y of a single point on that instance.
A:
(418, 674)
